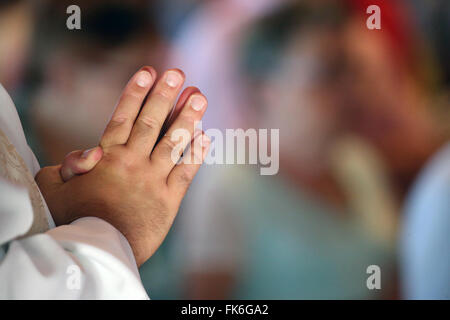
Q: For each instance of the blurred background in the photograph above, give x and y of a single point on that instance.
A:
(364, 117)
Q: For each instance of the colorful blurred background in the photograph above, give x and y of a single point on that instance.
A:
(364, 117)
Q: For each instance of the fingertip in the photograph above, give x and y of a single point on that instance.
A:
(198, 101)
(189, 91)
(144, 79)
(98, 153)
(181, 72)
(151, 70)
(94, 154)
(174, 78)
(192, 89)
(145, 76)
(86, 153)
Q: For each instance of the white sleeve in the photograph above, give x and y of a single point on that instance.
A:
(88, 259)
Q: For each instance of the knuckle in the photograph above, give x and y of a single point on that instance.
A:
(167, 146)
(185, 177)
(119, 162)
(132, 94)
(116, 121)
(149, 122)
(187, 121)
(169, 143)
(124, 161)
(163, 95)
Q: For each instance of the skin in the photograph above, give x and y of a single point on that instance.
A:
(133, 182)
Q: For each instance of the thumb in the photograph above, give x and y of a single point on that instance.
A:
(79, 162)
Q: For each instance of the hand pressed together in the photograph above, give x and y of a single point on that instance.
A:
(135, 182)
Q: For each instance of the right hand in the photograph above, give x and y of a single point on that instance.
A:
(136, 186)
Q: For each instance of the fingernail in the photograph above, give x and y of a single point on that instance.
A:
(198, 103)
(143, 79)
(173, 79)
(86, 153)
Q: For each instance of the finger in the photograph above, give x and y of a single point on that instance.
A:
(49, 179)
(79, 162)
(50, 182)
(148, 125)
(176, 110)
(168, 151)
(183, 173)
(119, 127)
(181, 103)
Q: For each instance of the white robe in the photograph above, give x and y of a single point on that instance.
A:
(87, 259)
